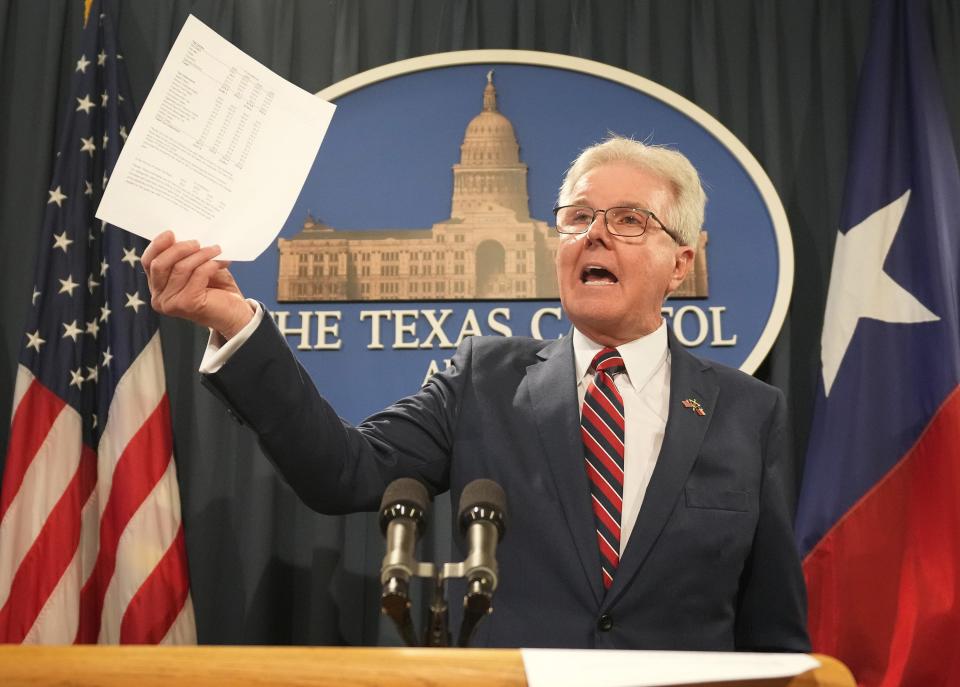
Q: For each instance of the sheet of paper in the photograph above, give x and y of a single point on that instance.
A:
(220, 149)
(563, 667)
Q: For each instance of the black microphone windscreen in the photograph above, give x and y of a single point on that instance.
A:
(482, 492)
(408, 491)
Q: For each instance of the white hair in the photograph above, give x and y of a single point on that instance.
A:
(685, 216)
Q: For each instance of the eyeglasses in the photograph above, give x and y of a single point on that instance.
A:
(577, 219)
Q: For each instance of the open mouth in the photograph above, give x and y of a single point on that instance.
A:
(597, 275)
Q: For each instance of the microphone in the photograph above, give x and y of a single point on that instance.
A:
(482, 519)
(403, 512)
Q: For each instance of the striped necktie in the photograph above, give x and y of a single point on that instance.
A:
(601, 426)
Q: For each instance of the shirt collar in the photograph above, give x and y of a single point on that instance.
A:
(642, 357)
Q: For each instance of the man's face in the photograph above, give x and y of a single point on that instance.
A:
(612, 287)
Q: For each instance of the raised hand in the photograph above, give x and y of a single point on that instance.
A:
(186, 281)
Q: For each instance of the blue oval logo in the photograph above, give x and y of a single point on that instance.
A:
(428, 218)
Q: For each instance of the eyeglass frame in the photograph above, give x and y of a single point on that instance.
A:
(649, 213)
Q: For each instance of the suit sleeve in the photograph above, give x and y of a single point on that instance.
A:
(771, 613)
(332, 466)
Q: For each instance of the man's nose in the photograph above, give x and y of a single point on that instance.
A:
(597, 231)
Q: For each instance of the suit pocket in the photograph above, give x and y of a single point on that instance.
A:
(717, 499)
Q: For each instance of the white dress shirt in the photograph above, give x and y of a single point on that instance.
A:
(645, 389)
(219, 350)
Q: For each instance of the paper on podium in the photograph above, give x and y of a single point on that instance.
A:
(602, 668)
(219, 151)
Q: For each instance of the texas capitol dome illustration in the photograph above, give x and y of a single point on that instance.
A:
(490, 248)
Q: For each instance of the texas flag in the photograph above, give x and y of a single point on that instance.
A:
(879, 513)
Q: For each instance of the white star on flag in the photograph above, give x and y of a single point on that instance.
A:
(859, 288)
(35, 296)
(130, 256)
(76, 377)
(102, 58)
(105, 313)
(88, 146)
(35, 342)
(104, 266)
(71, 330)
(56, 197)
(92, 374)
(92, 283)
(133, 301)
(89, 189)
(67, 285)
(103, 99)
(107, 357)
(82, 64)
(61, 241)
(85, 104)
(93, 328)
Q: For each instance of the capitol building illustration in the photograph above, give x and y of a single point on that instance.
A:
(488, 249)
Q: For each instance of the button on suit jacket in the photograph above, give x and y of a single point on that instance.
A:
(710, 564)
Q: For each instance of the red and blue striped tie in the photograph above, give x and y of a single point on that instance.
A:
(601, 426)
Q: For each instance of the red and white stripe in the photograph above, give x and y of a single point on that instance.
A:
(91, 543)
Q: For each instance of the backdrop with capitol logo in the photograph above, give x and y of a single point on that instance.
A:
(428, 217)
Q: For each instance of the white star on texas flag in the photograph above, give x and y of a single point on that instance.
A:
(859, 288)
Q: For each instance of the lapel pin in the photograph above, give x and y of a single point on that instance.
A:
(694, 405)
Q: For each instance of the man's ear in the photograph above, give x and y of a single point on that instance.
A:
(683, 261)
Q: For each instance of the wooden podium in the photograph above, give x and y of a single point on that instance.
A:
(236, 666)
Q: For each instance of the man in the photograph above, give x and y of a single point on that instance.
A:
(669, 530)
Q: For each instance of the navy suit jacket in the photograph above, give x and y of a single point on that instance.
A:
(711, 562)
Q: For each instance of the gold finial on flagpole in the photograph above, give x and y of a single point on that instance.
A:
(86, 10)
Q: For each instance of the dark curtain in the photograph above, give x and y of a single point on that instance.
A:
(780, 74)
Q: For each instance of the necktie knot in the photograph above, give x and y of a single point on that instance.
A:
(609, 361)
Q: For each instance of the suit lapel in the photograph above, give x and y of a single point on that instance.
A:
(683, 435)
(553, 394)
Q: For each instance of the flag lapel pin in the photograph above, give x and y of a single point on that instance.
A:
(694, 405)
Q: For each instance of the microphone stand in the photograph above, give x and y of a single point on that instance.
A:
(437, 632)
(395, 602)
(477, 603)
(481, 522)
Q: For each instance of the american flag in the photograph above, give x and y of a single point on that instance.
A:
(91, 540)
